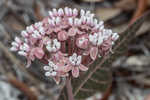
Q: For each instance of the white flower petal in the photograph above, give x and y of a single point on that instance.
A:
(46, 68)
(47, 74)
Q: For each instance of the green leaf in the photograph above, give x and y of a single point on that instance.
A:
(96, 78)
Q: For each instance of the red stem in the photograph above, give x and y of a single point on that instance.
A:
(69, 89)
(63, 47)
(69, 46)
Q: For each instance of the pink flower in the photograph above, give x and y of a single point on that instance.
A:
(34, 53)
(93, 52)
(62, 35)
(53, 45)
(75, 65)
(73, 31)
(82, 42)
(57, 69)
(38, 52)
(96, 40)
(57, 56)
(63, 63)
(101, 43)
(67, 39)
(105, 47)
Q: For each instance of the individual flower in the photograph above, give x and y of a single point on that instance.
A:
(96, 40)
(101, 42)
(16, 44)
(75, 64)
(53, 45)
(83, 41)
(50, 69)
(57, 69)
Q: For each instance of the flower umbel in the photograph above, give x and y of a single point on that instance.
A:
(67, 40)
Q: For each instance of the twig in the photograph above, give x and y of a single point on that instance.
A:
(141, 7)
(69, 89)
(22, 87)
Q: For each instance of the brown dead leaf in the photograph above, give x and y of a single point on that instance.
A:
(14, 23)
(140, 9)
(126, 4)
(107, 13)
(38, 10)
(148, 1)
(145, 27)
(92, 0)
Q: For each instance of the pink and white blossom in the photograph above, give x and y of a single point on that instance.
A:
(50, 69)
(75, 64)
(67, 40)
(53, 45)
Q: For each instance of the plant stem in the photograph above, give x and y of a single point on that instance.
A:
(69, 89)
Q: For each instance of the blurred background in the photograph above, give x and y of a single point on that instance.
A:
(130, 73)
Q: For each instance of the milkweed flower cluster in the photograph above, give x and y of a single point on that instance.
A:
(66, 41)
